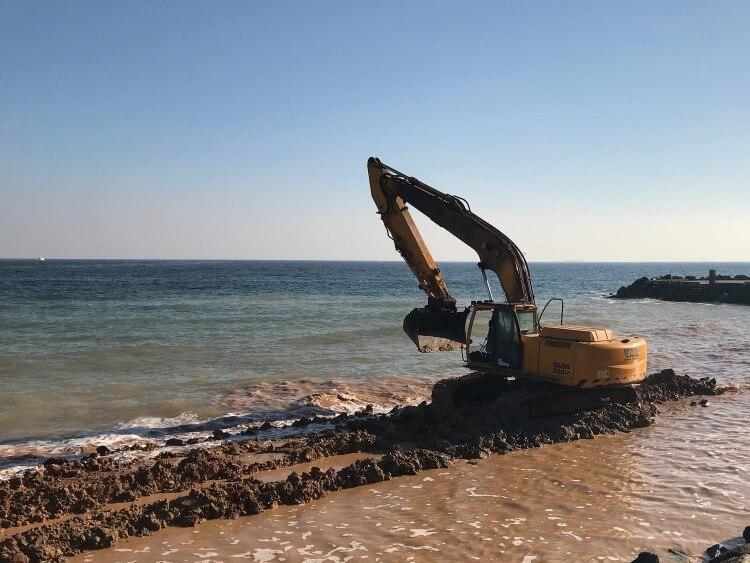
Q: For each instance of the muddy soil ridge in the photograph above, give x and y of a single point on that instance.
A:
(714, 288)
(66, 507)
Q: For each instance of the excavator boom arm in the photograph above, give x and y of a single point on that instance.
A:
(405, 234)
(391, 190)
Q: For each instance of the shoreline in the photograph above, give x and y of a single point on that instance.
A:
(220, 482)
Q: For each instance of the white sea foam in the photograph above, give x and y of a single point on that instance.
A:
(156, 422)
(278, 403)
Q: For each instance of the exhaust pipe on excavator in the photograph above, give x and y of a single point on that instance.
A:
(437, 327)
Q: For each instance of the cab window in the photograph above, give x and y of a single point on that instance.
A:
(526, 322)
(505, 326)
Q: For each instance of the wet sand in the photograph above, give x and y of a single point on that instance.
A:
(601, 499)
(610, 496)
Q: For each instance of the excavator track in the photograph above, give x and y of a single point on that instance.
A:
(526, 399)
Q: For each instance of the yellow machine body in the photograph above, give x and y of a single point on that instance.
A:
(568, 355)
(512, 343)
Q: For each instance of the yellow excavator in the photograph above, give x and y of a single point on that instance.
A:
(516, 346)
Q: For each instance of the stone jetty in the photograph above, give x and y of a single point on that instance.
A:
(710, 289)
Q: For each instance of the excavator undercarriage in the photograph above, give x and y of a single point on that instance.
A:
(537, 369)
(522, 398)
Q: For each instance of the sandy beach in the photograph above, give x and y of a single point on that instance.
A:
(543, 505)
(389, 486)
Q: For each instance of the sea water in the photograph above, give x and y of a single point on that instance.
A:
(118, 352)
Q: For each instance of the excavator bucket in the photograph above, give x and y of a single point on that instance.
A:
(436, 330)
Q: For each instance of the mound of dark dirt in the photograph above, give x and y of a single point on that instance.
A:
(62, 487)
(219, 500)
(501, 421)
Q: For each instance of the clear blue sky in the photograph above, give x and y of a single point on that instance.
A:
(583, 130)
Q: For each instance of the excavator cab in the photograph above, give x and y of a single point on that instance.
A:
(507, 339)
(501, 329)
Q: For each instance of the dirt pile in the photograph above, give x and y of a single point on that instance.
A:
(218, 482)
(229, 499)
(62, 487)
(500, 422)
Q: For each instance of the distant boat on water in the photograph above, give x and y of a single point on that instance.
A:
(41, 258)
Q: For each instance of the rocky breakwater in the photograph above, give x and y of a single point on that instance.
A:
(64, 507)
(711, 289)
(732, 550)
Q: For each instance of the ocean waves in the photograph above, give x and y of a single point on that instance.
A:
(128, 352)
(276, 404)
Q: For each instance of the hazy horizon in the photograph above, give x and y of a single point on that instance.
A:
(598, 131)
(364, 260)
